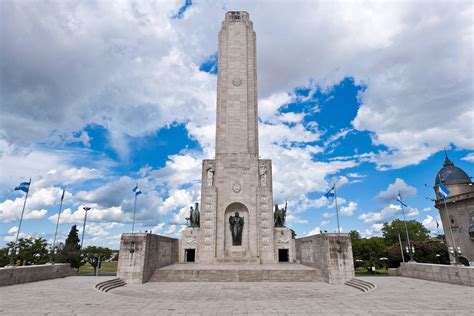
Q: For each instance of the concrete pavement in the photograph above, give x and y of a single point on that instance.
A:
(393, 296)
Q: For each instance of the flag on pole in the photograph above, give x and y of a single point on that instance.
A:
(443, 191)
(330, 192)
(137, 190)
(24, 186)
(399, 199)
(62, 196)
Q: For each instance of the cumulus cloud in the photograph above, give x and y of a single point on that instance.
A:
(372, 231)
(36, 207)
(349, 209)
(469, 157)
(430, 223)
(314, 231)
(387, 213)
(170, 230)
(391, 193)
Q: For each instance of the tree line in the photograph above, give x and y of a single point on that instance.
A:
(385, 251)
(36, 251)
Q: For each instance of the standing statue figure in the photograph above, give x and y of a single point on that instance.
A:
(210, 175)
(194, 216)
(279, 216)
(236, 227)
(263, 175)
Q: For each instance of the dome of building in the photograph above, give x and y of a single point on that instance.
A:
(450, 174)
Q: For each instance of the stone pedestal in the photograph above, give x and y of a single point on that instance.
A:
(141, 254)
(329, 253)
(284, 241)
(190, 239)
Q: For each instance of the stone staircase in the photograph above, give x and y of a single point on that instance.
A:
(236, 273)
(109, 285)
(362, 285)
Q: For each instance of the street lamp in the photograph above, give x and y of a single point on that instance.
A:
(86, 209)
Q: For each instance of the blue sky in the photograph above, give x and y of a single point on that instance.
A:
(131, 99)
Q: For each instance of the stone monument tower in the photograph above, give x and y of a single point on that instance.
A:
(236, 180)
(235, 223)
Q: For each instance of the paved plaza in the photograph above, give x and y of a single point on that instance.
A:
(393, 296)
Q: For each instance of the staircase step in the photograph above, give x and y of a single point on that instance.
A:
(362, 285)
(109, 285)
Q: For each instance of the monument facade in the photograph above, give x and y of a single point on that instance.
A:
(236, 195)
(235, 222)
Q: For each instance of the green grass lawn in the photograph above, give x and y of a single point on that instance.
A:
(106, 267)
(363, 271)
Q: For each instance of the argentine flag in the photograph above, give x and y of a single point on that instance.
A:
(399, 199)
(443, 191)
(330, 192)
(24, 186)
(137, 190)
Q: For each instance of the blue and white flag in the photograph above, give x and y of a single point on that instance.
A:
(399, 199)
(62, 196)
(443, 191)
(330, 192)
(137, 190)
(24, 186)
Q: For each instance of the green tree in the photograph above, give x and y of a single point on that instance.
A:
(416, 231)
(92, 254)
(32, 251)
(368, 251)
(71, 252)
(354, 235)
(4, 258)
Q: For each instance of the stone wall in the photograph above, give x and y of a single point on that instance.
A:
(141, 254)
(24, 274)
(436, 272)
(331, 254)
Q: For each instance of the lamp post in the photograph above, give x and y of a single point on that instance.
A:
(86, 209)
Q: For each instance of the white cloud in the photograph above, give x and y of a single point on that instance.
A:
(349, 209)
(158, 228)
(430, 223)
(391, 193)
(170, 230)
(356, 175)
(328, 215)
(469, 157)
(387, 213)
(427, 209)
(294, 219)
(314, 231)
(146, 68)
(36, 205)
(324, 223)
(372, 231)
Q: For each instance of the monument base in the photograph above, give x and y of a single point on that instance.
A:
(194, 272)
(331, 254)
(141, 254)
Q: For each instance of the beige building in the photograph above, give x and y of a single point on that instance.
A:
(457, 214)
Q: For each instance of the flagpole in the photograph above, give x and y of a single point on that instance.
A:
(134, 210)
(455, 253)
(401, 247)
(406, 228)
(57, 225)
(19, 226)
(337, 210)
